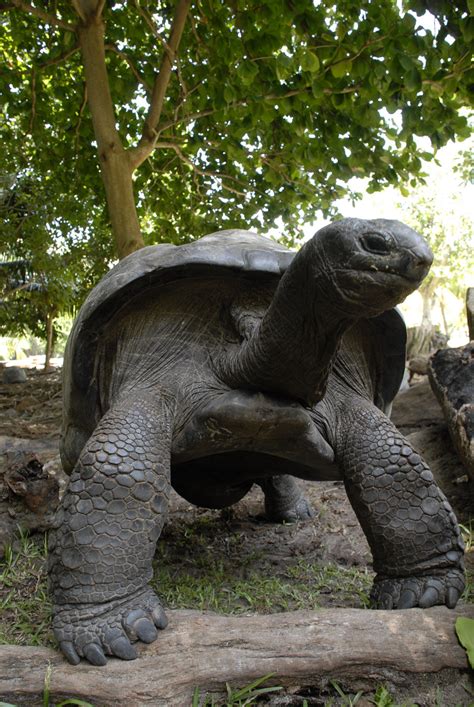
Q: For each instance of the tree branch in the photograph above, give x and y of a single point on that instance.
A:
(33, 100)
(152, 27)
(59, 59)
(133, 68)
(149, 136)
(202, 172)
(79, 118)
(245, 101)
(101, 106)
(89, 10)
(42, 15)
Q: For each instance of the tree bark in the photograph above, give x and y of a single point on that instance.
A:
(451, 374)
(49, 340)
(302, 649)
(115, 163)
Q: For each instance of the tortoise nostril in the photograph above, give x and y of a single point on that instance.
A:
(418, 262)
(422, 257)
(376, 243)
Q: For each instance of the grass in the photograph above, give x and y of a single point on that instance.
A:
(241, 697)
(25, 606)
(207, 566)
(206, 563)
(467, 531)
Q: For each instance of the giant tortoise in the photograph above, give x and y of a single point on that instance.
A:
(231, 361)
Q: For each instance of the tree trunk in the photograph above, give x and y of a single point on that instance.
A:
(303, 649)
(428, 295)
(115, 163)
(447, 328)
(117, 176)
(49, 340)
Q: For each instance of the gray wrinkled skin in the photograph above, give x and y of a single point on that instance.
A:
(227, 362)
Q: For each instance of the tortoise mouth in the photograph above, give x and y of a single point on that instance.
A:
(387, 275)
(373, 288)
(376, 277)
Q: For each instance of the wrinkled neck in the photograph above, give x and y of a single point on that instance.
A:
(292, 351)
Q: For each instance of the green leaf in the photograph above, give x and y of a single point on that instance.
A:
(413, 79)
(465, 632)
(283, 67)
(229, 94)
(341, 68)
(247, 72)
(467, 28)
(470, 6)
(310, 62)
(406, 62)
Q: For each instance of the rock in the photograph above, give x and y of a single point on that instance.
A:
(14, 374)
(451, 374)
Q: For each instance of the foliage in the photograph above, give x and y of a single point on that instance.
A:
(241, 697)
(437, 214)
(271, 108)
(346, 700)
(50, 257)
(465, 633)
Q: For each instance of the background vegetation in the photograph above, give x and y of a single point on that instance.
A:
(133, 122)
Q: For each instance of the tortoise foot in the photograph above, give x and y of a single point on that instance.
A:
(93, 631)
(423, 591)
(299, 510)
(284, 500)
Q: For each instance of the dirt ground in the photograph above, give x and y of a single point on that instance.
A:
(233, 560)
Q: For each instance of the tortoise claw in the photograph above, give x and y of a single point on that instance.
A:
(70, 652)
(94, 654)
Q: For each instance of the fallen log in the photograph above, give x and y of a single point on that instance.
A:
(304, 648)
(451, 374)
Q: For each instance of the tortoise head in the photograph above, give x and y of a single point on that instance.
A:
(368, 266)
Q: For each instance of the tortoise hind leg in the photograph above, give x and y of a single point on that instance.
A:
(284, 499)
(105, 534)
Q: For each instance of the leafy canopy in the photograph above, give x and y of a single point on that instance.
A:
(49, 258)
(272, 107)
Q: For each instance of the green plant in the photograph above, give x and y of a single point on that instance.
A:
(465, 632)
(467, 531)
(347, 700)
(25, 605)
(382, 697)
(241, 697)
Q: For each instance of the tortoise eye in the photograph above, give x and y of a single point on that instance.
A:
(377, 243)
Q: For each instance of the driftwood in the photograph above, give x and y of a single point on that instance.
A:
(301, 649)
(451, 373)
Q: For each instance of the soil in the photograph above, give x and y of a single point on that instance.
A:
(30, 418)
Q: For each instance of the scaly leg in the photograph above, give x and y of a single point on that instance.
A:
(284, 500)
(105, 535)
(409, 524)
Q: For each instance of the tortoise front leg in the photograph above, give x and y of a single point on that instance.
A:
(105, 535)
(409, 524)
